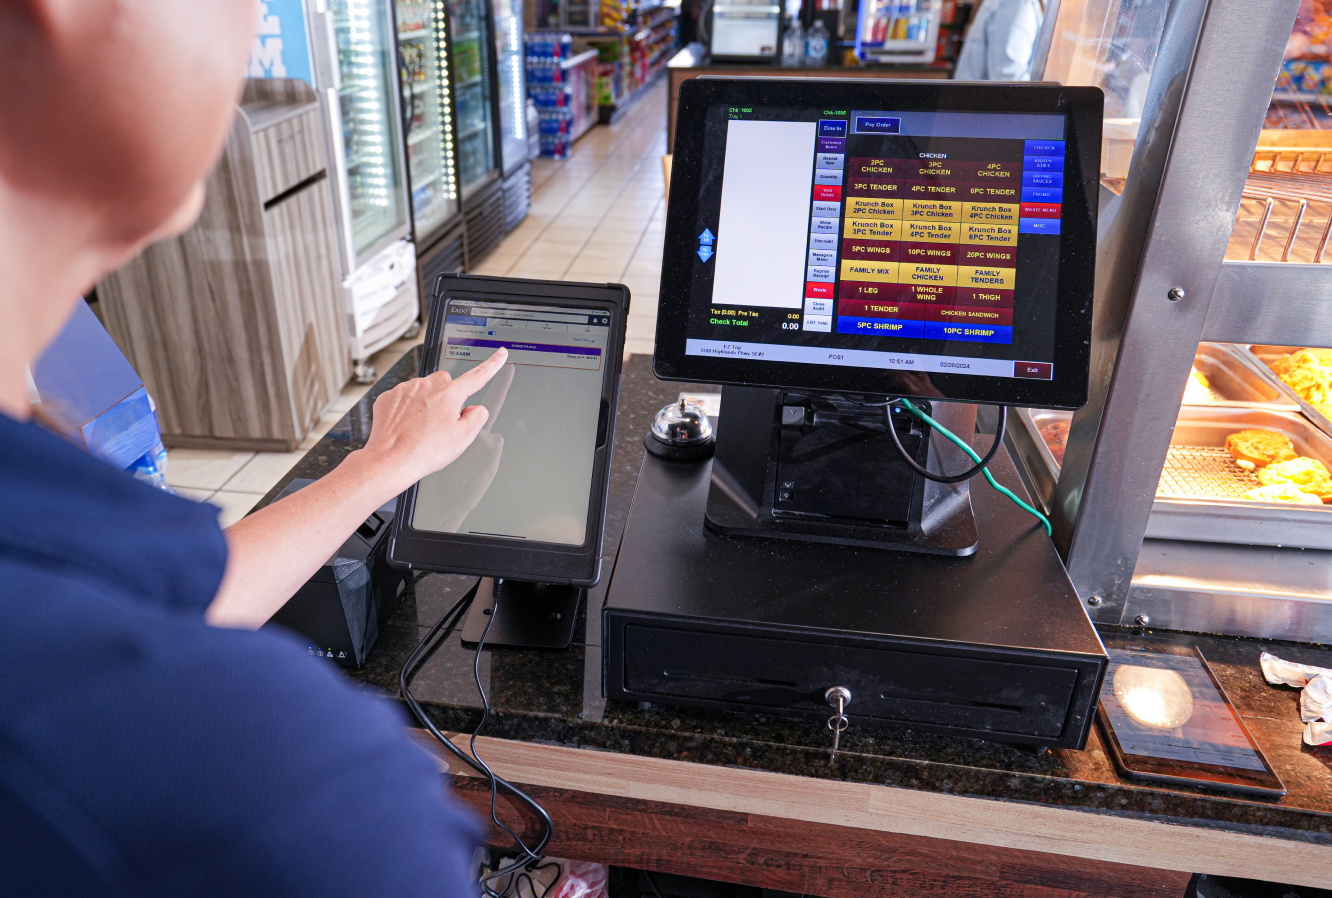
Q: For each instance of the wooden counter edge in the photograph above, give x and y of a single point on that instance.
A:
(1004, 824)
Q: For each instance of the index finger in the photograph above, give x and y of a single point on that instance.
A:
(479, 376)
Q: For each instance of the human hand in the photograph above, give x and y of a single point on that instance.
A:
(421, 426)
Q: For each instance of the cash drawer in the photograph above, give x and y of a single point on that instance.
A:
(935, 687)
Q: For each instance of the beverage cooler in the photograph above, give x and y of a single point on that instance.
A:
(428, 126)
(356, 76)
(1192, 492)
(511, 103)
(479, 178)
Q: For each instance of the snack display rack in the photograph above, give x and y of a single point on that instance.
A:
(1212, 240)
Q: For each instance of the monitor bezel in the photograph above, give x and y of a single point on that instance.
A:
(536, 562)
(1077, 257)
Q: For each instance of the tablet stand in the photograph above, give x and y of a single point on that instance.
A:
(801, 465)
(531, 615)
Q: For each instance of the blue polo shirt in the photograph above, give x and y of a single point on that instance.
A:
(144, 753)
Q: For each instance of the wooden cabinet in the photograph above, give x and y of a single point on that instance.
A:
(236, 326)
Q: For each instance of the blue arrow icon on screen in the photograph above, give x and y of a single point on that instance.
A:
(705, 253)
(707, 237)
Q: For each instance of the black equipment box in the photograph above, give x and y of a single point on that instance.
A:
(342, 609)
(995, 646)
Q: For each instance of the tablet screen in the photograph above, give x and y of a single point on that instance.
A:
(528, 475)
(1166, 707)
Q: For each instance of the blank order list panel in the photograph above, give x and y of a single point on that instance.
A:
(928, 240)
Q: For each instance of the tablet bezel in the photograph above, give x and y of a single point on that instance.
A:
(495, 556)
(1073, 311)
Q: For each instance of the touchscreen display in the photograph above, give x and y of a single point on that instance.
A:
(876, 238)
(528, 475)
(1166, 706)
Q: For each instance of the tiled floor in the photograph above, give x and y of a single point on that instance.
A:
(599, 215)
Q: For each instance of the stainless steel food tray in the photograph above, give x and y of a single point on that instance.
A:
(1234, 374)
(1236, 379)
(1039, 460)
(1264, 356)
(1200, 496)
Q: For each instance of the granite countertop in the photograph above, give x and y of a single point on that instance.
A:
(555, 698)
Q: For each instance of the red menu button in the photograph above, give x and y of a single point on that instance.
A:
(1034, 370)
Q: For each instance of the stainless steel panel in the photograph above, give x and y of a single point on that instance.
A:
(1204, 107)
(1271, 302)
(1271, 593)
(1200, 496)
(1264, 356)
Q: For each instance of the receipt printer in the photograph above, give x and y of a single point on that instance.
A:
(342, 609)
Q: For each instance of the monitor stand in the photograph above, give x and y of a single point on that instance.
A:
(531, 615)
(798, 465)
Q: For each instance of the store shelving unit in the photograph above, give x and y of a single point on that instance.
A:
(632, 56)
(1189, 252)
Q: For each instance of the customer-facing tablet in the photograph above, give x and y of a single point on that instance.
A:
(527, 500)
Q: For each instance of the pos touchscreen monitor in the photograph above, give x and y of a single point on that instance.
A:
(926, 239)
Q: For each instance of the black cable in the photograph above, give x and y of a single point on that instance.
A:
(531, 856)
(945, 478)
(651, 883)
(531, 885)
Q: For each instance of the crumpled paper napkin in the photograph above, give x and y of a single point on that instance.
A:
(1315, 699)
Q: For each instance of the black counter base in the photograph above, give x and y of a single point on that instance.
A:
(996, 646)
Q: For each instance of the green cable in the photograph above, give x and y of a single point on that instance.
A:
(907, 403)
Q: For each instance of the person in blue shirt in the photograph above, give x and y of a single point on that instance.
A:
(151, 743)
(1001, 41)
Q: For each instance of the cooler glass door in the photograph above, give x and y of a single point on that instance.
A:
(509, 62)
(472, 89)
(427, 113)
(370, 127)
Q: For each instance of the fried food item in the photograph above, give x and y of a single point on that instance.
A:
(1055, 434)
(1198, 389)
(1309, 475)
(1260, 447)
(1283, 492)
(1309, 373)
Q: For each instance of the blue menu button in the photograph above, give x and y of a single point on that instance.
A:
(1042, 179)
(1044, 148)
(880, 327)
(832, 127)
(974, 333)
(1038, 226)
(866, 124)
(1042, 194)
(1043, 163)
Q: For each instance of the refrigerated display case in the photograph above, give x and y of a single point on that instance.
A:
(428, 123)
(479, 178)
(474, 89)
(511, 84)
(511, 109)
(1210, 278)
(356, 71)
